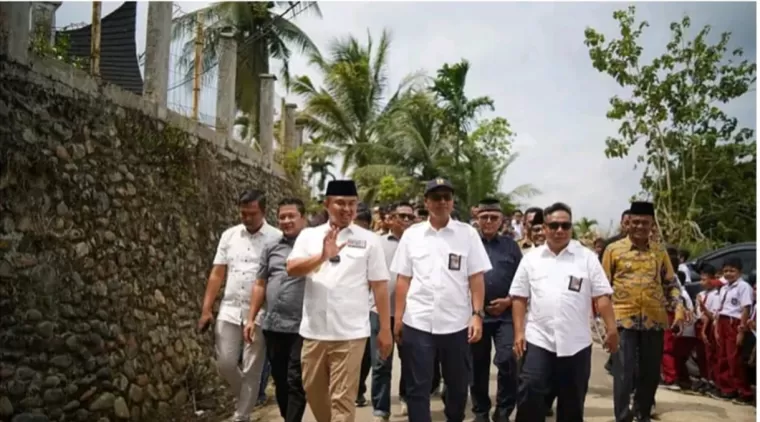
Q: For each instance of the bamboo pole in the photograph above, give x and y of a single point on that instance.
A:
(198, 65)
(95, 39)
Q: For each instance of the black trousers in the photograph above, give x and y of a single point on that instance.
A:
(402, 383)
(364, 371)
(418, 355)
(542, 372)
(640, 351)
(284, 353)
(501, 334)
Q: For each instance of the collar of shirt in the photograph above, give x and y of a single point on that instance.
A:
(571, 249)
(392, 237)
(449, 227)
(262, 231)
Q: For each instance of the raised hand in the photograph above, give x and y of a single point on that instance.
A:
(330, 247)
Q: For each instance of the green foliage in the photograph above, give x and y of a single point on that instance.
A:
(394, 140)
(39, 44)
(699, 165)
(390, 190)
(276, 37)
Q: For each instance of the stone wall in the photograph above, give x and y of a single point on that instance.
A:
(110, 212)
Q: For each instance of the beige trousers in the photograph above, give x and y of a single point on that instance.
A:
(245, 378)
(331, 377)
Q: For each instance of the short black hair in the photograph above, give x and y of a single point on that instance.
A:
(364, 215)
(684, 254)
(534, 210)
(402, 204)
(626, 212)
(733, 262)
(253, 195)
(707, 269)
(293, 201)
(557, 206)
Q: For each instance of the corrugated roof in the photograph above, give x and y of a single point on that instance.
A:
(118, 50)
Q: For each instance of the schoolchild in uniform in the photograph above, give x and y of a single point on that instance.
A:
(736, 300)
(708, 302)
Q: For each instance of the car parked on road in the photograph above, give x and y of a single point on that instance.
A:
(746, 252)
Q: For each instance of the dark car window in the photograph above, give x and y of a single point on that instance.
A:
(747, 256)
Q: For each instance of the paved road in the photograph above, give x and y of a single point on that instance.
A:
(671, 406)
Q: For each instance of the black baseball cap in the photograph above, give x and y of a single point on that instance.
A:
(438, 183)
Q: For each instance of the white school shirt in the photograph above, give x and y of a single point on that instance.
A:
(558, 316)
(240, 251)
(735, 297)
(688, 329)
(336, 297)
(390, 244)
(440, 263)
(711, 299)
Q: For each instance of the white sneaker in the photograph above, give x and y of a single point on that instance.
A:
(403, 411)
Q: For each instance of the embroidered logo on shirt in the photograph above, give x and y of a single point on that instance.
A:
(734, 301)
(575, 284)
(455, 262)
(355, 243)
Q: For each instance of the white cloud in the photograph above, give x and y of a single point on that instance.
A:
(530, 58)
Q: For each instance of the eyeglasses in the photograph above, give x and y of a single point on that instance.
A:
(440, 196)
(488, 218)
(565, 225)
(405, 217)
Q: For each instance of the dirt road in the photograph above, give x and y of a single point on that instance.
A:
(671, 406)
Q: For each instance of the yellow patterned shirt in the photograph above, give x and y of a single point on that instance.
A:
(644, 285)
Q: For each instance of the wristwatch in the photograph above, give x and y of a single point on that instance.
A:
(479, 313)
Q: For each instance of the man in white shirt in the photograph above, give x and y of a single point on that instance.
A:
(401, 216)
(237, 259)
(439, 303)
(560, 279)
(341, 262)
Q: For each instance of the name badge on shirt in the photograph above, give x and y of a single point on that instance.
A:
(355, 243)
(575, 284)
(455, 262)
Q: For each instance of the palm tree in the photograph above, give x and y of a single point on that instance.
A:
(262, 31)
(584, 228)
(459, 110)
(350, 110)
(319, 160)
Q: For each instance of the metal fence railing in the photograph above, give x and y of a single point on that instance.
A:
(193, 75)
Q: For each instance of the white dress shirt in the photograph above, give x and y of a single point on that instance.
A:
(440, 263)
(560, 289)
(735, 297)
(336, 301)
(390, 244)
(240, 251)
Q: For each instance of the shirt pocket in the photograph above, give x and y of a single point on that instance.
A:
(422, 263)
(456, 263)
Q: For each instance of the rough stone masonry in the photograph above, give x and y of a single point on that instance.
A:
(109, 219)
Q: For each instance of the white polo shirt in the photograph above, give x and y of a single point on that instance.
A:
(735, 297)
(240, 251)
(336, 297)
(560, 289)
(390, 244)
(440, 263)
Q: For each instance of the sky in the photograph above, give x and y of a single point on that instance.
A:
(531, 60)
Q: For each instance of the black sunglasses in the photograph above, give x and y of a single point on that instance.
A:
(564, 225)
(406, 217)
(436, 196)
(489, 217)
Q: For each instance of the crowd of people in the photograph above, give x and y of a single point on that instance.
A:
(322, 303)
